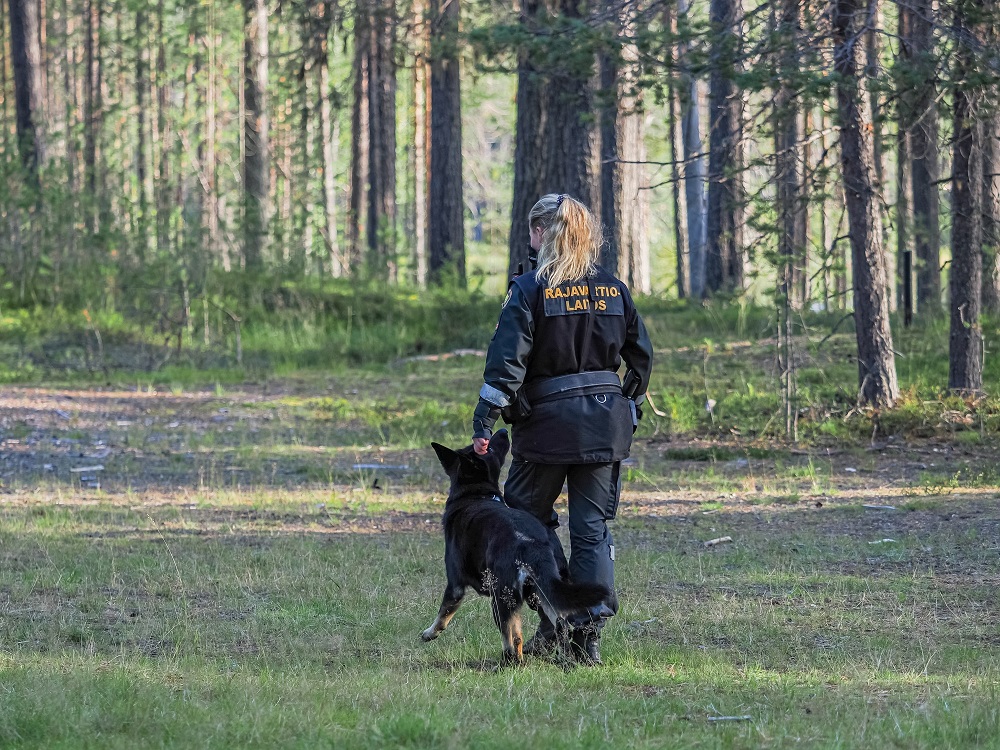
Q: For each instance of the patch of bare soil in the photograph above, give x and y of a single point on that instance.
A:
(119, 440)
(154, 448)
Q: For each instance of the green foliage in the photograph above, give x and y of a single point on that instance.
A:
(283, 325)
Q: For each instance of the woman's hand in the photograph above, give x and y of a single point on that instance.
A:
(480, 445)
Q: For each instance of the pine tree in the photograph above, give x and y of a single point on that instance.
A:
(965, 349)
(256, 212)
(380, 230)
(446, 231)
(724, 261)
(876, 362)
(26, 59)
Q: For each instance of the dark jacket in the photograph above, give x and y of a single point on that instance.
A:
(546, 332)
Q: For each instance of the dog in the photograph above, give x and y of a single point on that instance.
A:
(500, 552)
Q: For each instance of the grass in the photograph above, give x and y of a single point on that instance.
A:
(265, 620)
(264, 549)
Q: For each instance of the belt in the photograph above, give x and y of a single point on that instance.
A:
(581, 383)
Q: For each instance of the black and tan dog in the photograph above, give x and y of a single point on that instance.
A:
(498, 551)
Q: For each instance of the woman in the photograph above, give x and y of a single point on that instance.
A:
(552, 368)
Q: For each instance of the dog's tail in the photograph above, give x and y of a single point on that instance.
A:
(575, 597)
(558, 596)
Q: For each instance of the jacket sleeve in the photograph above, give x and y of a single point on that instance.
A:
(506, 360)
(638, 349)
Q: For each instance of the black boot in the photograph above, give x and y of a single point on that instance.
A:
(545, 640)
(542, 643)
(586, 640)
(586, 644)
(548, 638)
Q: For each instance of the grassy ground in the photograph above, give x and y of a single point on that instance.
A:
(263, 551)
(291, 618)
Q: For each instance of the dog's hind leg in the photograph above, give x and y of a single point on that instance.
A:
(514, 639)
(507, 615)
(449, 605)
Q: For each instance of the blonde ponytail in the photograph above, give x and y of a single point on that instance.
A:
(571, 244)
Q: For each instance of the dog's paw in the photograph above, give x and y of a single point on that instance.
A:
(430, 634)
(510, 661)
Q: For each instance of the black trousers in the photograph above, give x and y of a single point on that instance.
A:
(593, 501)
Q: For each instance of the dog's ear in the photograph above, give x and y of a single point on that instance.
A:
(500, 444)
(448, 458)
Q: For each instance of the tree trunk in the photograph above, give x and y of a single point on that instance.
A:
(904, 116)
(965, 342)
(329, 146)
(4, 100)
(804, 280)
(924, 154)
(876, 363)
(875, 71)
(26, 59)
(308, 136)
(635, 211)
(632, 199)
(216, 247)
(162, 137)
(255, 134)
(314, 34)
(566, 128)
(826, 228)
(360, 163)
(991, 193)
(724, 223)
(904, 256)
(991, 214)
(192, 146)
(47, 64)
(674, 104)
(791, 218)
(283, 181)
(556, 142)
(683, 250)
(421, 139)
(4, 105)
(381, 225)
(610, 176)
(141, 97)
(694, 169)
(527, 143)
(446, 231)
(70, 103)
(835, 260)
(72, 152)
(787, 137)
(119, 208)
(92, 113)
(872, 73)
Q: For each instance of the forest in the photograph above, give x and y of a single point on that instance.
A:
(165, 159)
